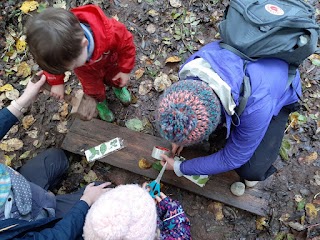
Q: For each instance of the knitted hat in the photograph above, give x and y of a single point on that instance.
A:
(126, 212)
(5, 184)
(188, 112)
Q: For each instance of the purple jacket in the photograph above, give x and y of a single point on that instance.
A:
(268, 79)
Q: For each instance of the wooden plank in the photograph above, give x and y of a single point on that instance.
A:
(86, 134)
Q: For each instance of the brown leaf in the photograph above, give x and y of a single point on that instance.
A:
(139, 73)
(309, 159)
(173, 59)
(27, 121)
(216, 208)
(261, 223)
(311, 211)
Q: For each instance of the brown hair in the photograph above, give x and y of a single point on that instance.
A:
(54, 37)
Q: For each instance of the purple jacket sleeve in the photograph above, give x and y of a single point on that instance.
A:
(172, 221)
(240, 146)
(7, 120)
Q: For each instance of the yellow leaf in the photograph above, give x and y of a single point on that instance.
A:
(21, 44)
(29, 6)
(144, 164)
(217, 209)
(311, 211)
(173, 59)
(24, 70)
(11, 145)
(8, 159)
(261, 223)
(63, 111)
(24, 155)
(27, 121)
(7, 87)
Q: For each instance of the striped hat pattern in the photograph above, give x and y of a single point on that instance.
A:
(188, 112)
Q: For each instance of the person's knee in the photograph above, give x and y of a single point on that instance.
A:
(58, 156)
(255, 175)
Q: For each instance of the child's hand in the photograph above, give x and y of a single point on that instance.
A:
(123, 78)
(57, 91)
(157, 198)
(176, 149)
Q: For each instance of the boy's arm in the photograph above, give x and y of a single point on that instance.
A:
(174, 224)
(124, 45)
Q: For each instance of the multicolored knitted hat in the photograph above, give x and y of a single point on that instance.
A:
(126, 212)
(188, 112)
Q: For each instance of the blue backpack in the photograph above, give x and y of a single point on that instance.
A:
(285, 29)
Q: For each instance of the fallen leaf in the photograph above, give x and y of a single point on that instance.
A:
(24, 70)
(32, 133)
(311, 211)
(144, 164)
(216, 208)
(301, 204)
(13, 94)
(8, 159)
(157, 166)
(60, 4)
(13, 130)
(309, 159)
(36, 143)
(90, 177)
(24, 155)
(284, 217)
(296, 226)
(175, 3)
(63, 111)
(162, 82)
(21, 44)
(134, 124)
(25, 82)
(173, 59)
(139, 73)
(151, 28)
(11, 145)
(7, 87)
(29, 6)
(27, 121)
(145, 87)
(261, 223)
(62, 127)
(284, 149)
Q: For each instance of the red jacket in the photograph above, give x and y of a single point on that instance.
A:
(114, 51)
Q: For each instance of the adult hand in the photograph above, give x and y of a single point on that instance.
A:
(176, 149)
(169, 160)
(57, 91)
(31, 91)
(92, 193)
(123, 78)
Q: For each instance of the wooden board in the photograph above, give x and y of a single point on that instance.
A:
(83, 135)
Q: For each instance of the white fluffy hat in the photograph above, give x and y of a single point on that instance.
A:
(126, 212)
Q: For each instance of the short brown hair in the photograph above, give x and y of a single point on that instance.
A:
(54, 37)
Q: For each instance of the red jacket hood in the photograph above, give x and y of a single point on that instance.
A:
(101, 27)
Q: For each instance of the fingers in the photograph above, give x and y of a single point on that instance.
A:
(180, 148)
(103, 185)
(163, 196)
(158, 199)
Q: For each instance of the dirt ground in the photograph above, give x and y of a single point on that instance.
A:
(161, 31)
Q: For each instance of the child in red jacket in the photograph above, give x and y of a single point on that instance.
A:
(99, 49)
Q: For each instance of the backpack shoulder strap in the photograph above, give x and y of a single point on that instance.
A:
(236, 51)
(245, 92)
